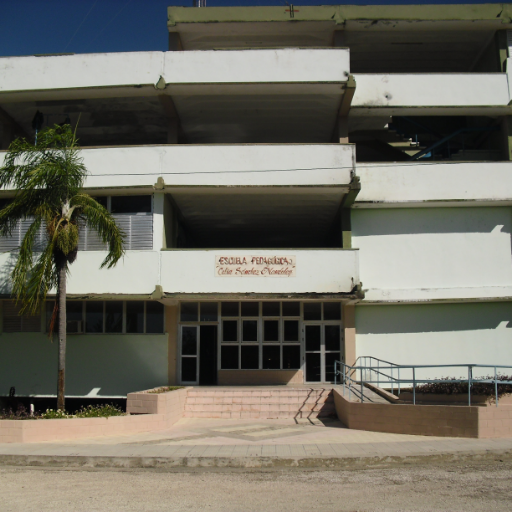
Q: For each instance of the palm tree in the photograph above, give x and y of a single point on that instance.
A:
(48, 179)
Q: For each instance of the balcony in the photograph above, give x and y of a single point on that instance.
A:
(135, 98)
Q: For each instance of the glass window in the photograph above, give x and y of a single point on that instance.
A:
(291, 357)
(135, 317)
(74, 317)
(130, 204)
(332, 337)
(332, 311)
(189, 341)
(189, 369)
(154, 318)
(271, 308)
(250, 308)
(208, 312)
(249, 330)
(114, 316)
(189, 311)
(271, 357)
(94, 316)
(313, 337)
(312, 311)
(229, 357)
(271, 330)
(230, 330)
(291, 330)
(291, 308)
(230, 308)
(249, 357)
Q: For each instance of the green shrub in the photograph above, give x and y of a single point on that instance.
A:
(20, 414)
(455, 388)
(91, 411)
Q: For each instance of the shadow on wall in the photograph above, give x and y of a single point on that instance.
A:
(419, 318)
(407, 221)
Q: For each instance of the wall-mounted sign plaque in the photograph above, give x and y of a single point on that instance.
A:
(255, 266)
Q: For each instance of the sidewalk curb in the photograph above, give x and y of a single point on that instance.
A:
(77, 461)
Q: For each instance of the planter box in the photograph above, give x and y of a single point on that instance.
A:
(33, 431)
(146, 412)
(170, 403)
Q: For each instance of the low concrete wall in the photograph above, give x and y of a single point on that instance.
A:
(33, 431)
(425, 420)
(170, 404)
(146, 412)
(259, 377)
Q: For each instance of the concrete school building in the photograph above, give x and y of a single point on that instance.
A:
(298, 185)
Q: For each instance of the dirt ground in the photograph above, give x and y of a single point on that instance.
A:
(448, 487)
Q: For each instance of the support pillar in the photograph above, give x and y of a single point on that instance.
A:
(349, 323)
(507, 137)
(171, 327)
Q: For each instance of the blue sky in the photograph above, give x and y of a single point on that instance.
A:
(30, 27)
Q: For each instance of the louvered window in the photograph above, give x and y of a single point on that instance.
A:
(13, 242)
(14, 322)
(133, 214)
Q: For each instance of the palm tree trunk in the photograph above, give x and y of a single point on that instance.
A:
(62, 336)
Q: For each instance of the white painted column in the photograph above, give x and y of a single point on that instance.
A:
(158, 221)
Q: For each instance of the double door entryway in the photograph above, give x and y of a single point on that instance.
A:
(216, 339)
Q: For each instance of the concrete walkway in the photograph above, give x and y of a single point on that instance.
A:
(253, 443)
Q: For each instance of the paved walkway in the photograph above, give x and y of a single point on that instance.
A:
(253, 443)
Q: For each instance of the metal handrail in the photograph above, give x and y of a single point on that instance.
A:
(349, 375)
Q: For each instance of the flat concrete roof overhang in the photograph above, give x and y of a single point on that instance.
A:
(285, 95)
(382, 38)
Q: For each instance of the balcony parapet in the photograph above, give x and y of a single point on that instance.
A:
(431, 94)
(219, 165)
(181, 273)
(67, 76)
(434, 184)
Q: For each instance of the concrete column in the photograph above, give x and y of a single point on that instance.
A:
(507, 137)
(349, 323)
(158, 221)
(171, 326)
(175, 42)
(346, 228)
(342, 130)
(172, 131)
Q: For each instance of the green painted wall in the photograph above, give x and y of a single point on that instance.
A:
(117, 364)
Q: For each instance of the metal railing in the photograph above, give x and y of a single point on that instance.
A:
(371, 370)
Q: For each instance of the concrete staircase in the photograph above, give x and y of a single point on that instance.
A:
(259, 402)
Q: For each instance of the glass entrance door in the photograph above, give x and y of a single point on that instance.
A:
(323, 346)
(189, 354)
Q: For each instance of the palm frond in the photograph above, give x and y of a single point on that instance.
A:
(99, 218)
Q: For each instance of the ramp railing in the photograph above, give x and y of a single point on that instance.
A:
(371, 370)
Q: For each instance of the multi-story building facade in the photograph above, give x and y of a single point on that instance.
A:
(297, 186)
